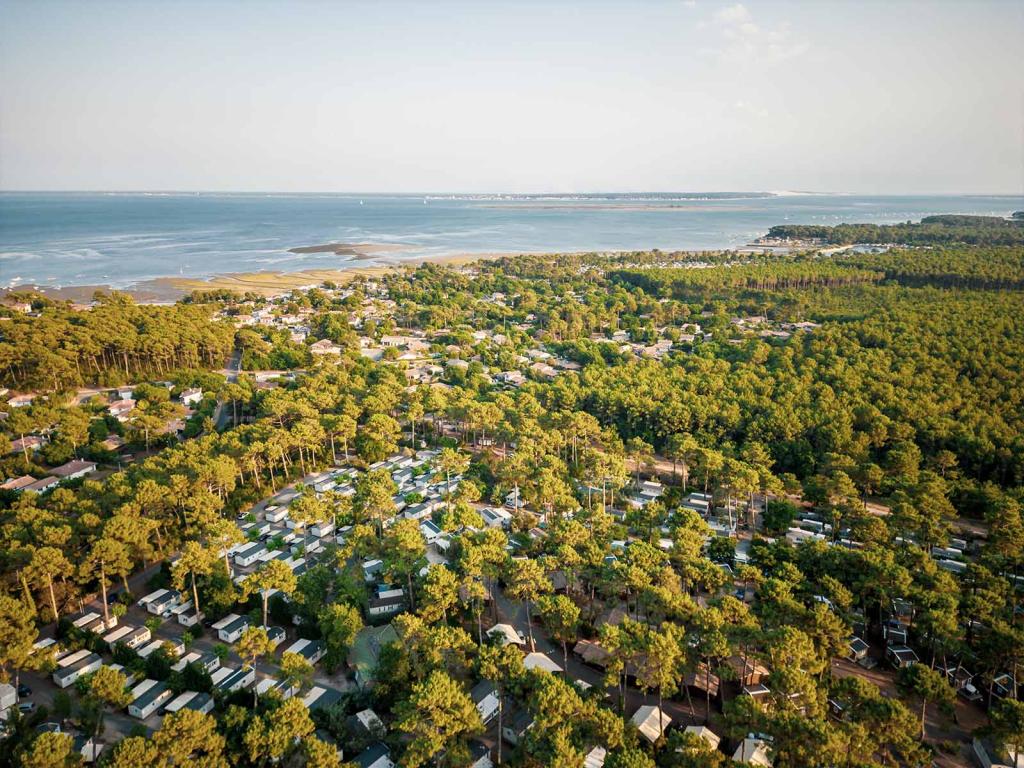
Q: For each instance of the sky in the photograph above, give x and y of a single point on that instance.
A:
(523, 96)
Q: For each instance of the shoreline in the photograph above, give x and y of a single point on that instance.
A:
(268, 283)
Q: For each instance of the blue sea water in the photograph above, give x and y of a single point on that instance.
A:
(61, 239)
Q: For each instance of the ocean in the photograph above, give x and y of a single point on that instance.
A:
(120, 239)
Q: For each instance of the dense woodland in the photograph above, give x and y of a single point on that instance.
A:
(909, 392)
(931, 230)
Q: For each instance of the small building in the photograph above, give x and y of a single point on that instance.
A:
(375, 756)
(235, 679)
(249, 555)
(711, 738)
(857, 649)
(147, 697)
(506, 634)
(164, 603)
(539, 660)
(752, 751)
(485, 697)
(73, 470)
(67, 675)
(366, 650)
(386, 603)
(595, 758)
(191, 396)
(320, 697)
(232, 630)
(514, 729)
(275, 514)
(651, 722)
(200, 702)
(901, 656)
(479, 755)
(311, 650)
(430, 531)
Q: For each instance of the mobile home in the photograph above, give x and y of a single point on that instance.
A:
(147, 697)
(67, 675)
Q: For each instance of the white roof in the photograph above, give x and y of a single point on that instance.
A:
(507, 632)
(540, 661)
(752, 752)
(595, 758)
(651, 722)
(712, 738)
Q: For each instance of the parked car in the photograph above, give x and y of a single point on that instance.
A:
(24, 690)
(26, 706)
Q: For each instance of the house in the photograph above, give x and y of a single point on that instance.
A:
(703, 732)
(87, 747)
(367, 721)
(17, 483)
(366, 650)
(375, 756)
(324, 347)
(164, 603)
(200, 702)
(991, 755)
(321, 698)
(311, 650)
(28, 443)
(281, 688)
(249, 555)
(84, 665)
(8, 696)
(147, 697)
(506, 634)
(21, 401)
(595, 758)
(496, 517)
(386, 602)
(42, 486)
(857, 649)
(73, 469)
(479, 755)
(275, 635)
(901, 656)
(430, 531)
(538, 660)
(372, 570)
(651, 722)
(515, 727)
(191, 396)
(485, 697)
(752, 751)
(275, 514)
(121, 409)
(229, 680)
(230, 628)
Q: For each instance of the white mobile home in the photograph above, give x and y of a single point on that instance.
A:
(147, 697)
(117, 635)
(249, 555)
(164, 603)
(275, 514)
(144, 602)
(72, 658)
(237, 679)
(201, 702)
(311, 650)
(231, 631)
(85, 620)
(137, 637)
(67, 675)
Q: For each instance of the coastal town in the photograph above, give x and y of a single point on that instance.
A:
(447, 516)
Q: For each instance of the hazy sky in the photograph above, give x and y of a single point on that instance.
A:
(881, 97)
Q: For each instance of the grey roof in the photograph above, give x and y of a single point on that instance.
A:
(372, 754)
(482, 690)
